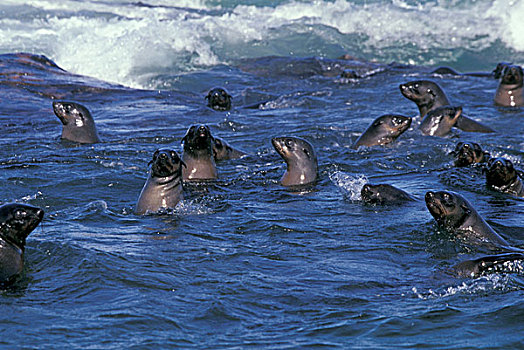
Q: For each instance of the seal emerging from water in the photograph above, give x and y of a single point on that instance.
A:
(454, 213)
(467, 153)
(439, 121)
(219, 99)
(428, 95)
(163, 187)
(383, 130)
(17, 221)
(78, 124)
(198, 154)
(510, 91)
(300, 158)
(384, 194)
(502, 176)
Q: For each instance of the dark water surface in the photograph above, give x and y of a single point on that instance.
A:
(244, 262)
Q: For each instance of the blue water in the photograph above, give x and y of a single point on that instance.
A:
(244, 262)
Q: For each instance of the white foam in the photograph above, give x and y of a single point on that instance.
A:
(122, 42)
(349, 185)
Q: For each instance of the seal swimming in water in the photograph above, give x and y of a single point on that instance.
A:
(510, 91)
(502, 176)
(467, 153)
(198, 154)
(383, 130)
(300, 158)
(440, 120)
(384, 194)
(78, 124)
(17, 221)
(454, 213)
(163, 187)
(219, 99)
(490, 264)
(223, 151)
(428, 95)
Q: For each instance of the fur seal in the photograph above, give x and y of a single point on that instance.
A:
(78, 124)
(198, 154)
(223, 151)
(428, 95)
(467, 153)
(502, 176)
(490, 264)
(383, 130)
(219, 99)
(17, 221)
(510, 91)
(384, 194)
(300, 158)
(454, 213)
(163, 187)
(440, 120)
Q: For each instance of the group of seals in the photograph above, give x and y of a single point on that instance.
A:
(429, 96)
(163, 187)
(17, 221)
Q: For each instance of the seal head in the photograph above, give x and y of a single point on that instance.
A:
(502, 176)
(383, 130)
(198, 154)
(455, 214)
(223, 151)
(426, 94)
(301, 160)
(219, 99)
(78, 124)
(383, 194)
(163, 187)
(439, 121)
(17, 221)
(467, 153)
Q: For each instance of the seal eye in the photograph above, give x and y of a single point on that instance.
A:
(288, 143)
(20, 214)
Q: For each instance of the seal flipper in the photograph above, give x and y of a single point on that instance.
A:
(466, 124)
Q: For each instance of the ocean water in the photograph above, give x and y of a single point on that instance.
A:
(243, 262)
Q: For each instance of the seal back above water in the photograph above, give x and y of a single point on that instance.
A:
(301, 160)
(163, 187)
(77, 123)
